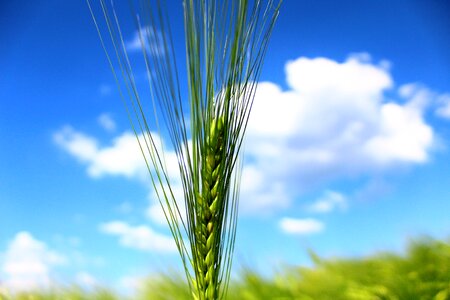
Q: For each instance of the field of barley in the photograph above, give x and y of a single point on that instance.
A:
(421, 272)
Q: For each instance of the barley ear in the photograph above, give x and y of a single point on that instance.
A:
(208, 204)
(226, 41)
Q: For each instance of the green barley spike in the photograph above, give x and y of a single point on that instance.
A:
(225, 44)
(208, 218)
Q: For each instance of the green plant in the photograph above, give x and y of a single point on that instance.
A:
(226, 41)
(68, 293)
(421, 272)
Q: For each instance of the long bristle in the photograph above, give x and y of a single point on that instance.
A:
(226, 41)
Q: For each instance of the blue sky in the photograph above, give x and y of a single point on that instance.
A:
(347, 149)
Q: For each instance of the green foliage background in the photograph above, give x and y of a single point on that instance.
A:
(423, 272)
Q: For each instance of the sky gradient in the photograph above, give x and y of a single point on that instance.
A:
(347, 147)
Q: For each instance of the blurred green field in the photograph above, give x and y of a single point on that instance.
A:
(423, 272)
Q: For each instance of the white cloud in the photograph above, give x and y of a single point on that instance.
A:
(258, 194)
(354, 78)
(147, 38)
(334, 121)
(330, 201)
(135, 44)
(417, 95)
(122, 158)
(402, 137)
(301, 226)
(106, 122)
(139, 237)
(27, 263)
(444, 108)
(83, 147)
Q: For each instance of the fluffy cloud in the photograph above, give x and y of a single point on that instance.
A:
(27, 263)
(134, 44)
(106, 122)
(147, 38)
(139, 237)
(261, 193)
(334, 121)
(330, 201)
(444, 108)
(122, 158)
(301, 226)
